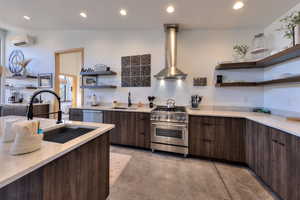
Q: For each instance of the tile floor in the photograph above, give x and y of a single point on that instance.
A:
(162, 176)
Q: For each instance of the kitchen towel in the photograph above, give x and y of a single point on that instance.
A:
(27, 139)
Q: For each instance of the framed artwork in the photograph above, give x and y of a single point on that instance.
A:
(45, 80)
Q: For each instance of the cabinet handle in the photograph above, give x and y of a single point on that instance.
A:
(275, 141)
(281, 144)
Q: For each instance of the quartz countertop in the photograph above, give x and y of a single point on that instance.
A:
(273, 121)
(134, 108)
(15, 167)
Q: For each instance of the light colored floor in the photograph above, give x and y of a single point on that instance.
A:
(161, 176)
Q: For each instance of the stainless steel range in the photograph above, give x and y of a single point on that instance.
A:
(169, 129)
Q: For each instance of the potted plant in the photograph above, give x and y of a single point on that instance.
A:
(291, 27)
(240, 52)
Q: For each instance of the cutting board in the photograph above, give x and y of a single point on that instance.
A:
(293, 119)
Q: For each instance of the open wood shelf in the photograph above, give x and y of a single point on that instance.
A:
(280, 57)
(292, 79)
(99, 87)
(22, 77)
(99, 73)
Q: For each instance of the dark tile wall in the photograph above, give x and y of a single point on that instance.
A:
(136, 71)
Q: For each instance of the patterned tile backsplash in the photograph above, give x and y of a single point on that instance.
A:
(136, 71)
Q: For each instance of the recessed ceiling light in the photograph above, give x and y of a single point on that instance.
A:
(170, 9)
(123, 12)
(27, 17)
(83, 14)
(238, 5)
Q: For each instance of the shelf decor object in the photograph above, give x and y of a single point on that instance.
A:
(45, 80)
(280, 57)
(287, 80)
(136, 71)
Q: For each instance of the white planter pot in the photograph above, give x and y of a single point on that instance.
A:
(297, 34)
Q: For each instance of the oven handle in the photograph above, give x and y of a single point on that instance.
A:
(176, 125)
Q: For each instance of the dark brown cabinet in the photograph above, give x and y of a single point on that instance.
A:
(39, 110)
(217, 137)
(75, 114)
(83, 173)
(272, 155)
(132, 128)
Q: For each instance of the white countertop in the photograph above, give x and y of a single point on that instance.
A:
(15, 167)
(273, 121)
(134, 108)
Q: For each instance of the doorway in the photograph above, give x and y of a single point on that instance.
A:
(68, 65)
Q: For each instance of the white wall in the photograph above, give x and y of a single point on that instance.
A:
(198, 53)
(285, 97)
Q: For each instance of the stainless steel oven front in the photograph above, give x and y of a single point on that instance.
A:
(169, 133)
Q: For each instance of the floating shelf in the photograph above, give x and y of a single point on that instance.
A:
(99, 87)
(237, 84)
(292, 79)
(22, 87)
(280, 57)
(22, 77)
(99, 73)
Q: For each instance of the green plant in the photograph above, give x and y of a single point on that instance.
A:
(289, 23)
(241, 50)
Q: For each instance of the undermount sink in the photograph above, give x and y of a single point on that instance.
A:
(66, 133)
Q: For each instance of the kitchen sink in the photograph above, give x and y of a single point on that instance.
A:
(66, 133)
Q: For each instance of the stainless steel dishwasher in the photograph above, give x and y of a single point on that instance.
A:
(93, 116)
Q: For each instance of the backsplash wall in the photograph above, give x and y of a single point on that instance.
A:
(198, 53)
(282, 98)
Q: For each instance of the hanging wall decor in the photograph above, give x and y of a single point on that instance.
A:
(136, 71)
(17, 63)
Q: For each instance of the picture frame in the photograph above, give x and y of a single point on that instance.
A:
(89, 80)
(45, 80)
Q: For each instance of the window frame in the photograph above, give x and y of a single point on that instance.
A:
(2, 63)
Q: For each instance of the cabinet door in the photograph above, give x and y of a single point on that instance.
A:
(111, 117)
(202, 136)
(143, 130)
(75, 115)
(284, 164)
(234, 139)
(251, 135)
(263, 153)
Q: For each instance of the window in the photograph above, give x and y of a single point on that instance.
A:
(65, 88)
(2, 61)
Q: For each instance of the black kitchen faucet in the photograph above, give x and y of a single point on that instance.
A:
(30, 108)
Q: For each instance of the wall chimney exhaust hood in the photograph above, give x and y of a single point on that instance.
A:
(171, 71)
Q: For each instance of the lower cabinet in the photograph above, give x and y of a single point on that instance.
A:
(75, 114)
(132, 128)
(272, 155)
(217, 137)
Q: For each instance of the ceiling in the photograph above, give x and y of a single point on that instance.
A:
(206, 14)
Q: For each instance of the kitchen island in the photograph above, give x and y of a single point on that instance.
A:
(78, 169)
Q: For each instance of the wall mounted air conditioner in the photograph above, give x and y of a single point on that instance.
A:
(22, 40)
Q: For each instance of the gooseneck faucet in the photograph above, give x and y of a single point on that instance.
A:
(30, 108)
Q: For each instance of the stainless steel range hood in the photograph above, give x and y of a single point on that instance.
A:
(171, 71)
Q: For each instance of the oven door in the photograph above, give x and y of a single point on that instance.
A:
(169, 133)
